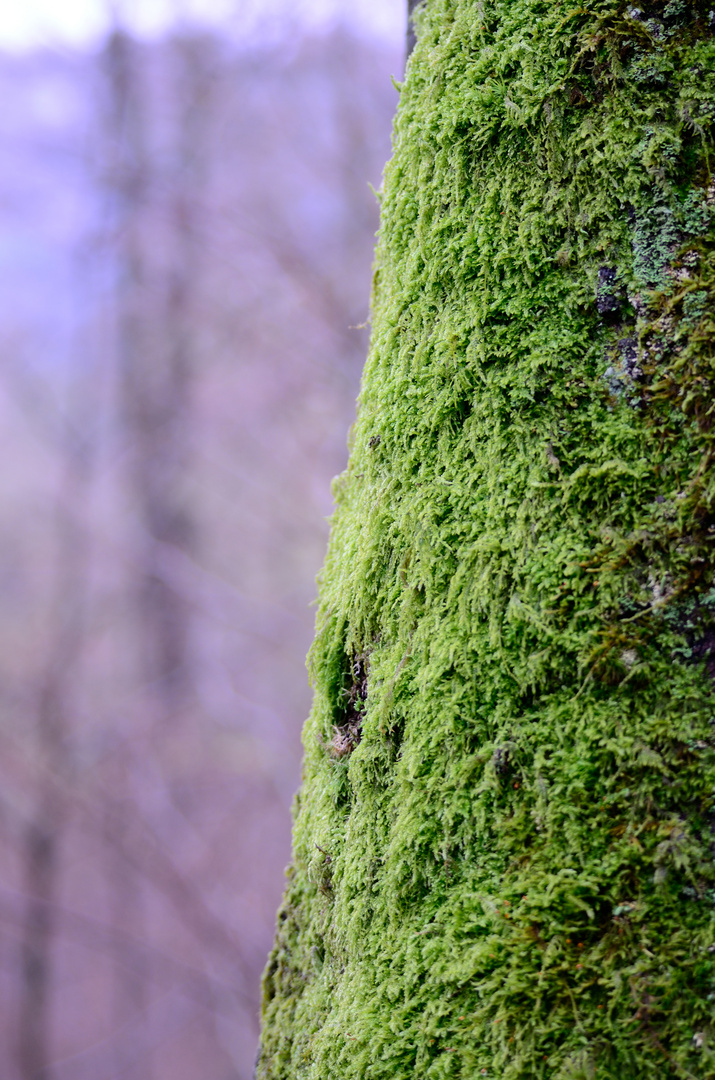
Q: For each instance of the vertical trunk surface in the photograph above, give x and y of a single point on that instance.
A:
(503, 850)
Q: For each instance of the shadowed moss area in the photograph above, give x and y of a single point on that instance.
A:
(503, 849)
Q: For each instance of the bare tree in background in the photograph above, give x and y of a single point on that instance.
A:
(129, 183)
(42, 833)
(158, 256)
(156, 284)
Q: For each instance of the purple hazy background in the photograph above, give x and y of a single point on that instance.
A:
(186, 236)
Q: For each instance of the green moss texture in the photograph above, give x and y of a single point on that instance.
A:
(504, 842)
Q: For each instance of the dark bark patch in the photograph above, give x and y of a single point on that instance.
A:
(609, 295)
(325, 882)
(502, 759)
(704, 649)
(347, 733)
(411, 36)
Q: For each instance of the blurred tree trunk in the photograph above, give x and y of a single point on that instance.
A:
(503, 846)
(40, 849)
(158, 256)
(158, 267)
(130, 186)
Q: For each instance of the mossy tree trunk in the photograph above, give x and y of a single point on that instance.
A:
(503, 851)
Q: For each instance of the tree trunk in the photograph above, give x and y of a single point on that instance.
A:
(40, 850)
(157, 255)
(503, 849)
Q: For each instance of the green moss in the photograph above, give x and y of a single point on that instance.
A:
(503, 849)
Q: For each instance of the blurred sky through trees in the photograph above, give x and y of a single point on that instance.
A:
(186, 236)
(84, 22)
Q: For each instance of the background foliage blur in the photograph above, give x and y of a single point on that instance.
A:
(186, 233)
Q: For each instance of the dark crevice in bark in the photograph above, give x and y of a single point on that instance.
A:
(348, 730)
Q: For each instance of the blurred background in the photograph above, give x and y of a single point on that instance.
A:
(186, 236)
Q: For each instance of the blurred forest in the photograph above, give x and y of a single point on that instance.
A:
(185, 248)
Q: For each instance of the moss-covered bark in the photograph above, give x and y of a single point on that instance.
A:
(504, 840)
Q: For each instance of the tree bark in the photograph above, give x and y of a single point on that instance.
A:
(503, 848)
(411, 37)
